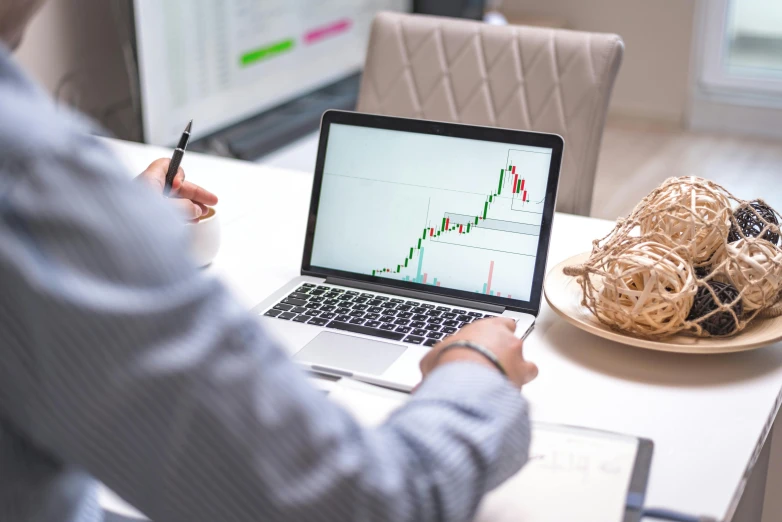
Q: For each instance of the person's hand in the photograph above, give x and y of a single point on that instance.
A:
(191, 199)
(496, 335)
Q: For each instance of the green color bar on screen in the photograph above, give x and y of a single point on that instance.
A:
(419, 244)
(485, 209)
(411, 252)
(398, 268)
(476, 221)
(269, 51)
(491, 198)
(518, 186)
(468, 227)
(443, 223)
(502, 175)
(491, 293)
(373, 272)
(484, 288)
(406, 260)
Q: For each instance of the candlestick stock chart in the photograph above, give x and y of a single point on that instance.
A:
(432, 210)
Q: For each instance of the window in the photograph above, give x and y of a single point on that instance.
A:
(742, 47)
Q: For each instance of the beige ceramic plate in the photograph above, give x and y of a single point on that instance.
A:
(564, 295)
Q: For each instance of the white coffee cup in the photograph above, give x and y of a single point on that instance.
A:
(205, 237)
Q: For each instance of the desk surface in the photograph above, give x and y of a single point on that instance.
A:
(706, 414)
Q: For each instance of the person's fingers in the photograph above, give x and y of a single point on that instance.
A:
(193, 192)
(505, 322)
(529, 372)
(189, 209)
(155, 174)
(179, 180)
(532, 370)
(160, 165)
(428, 362)
(516, 346)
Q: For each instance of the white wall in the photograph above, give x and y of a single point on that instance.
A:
(655, 75)
(77, 39)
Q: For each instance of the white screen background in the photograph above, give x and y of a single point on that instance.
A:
(382, 188)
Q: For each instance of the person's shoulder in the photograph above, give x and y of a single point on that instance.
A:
(31, 124)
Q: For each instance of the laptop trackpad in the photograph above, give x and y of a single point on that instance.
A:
(354, 354)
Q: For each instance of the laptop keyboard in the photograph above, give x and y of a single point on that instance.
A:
(367, 313)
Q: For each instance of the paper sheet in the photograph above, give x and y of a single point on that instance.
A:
(573, 474)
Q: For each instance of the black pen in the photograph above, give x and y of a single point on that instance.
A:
(176, 159)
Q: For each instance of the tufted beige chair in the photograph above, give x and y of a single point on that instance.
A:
(529, 78)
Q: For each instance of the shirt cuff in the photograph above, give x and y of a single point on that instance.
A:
(467, 377)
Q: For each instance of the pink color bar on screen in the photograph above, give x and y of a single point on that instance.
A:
(499, 294)
(515, 183)
(438, 283)
(525, 196)
(510, 296)
(514, 169)
(522, 183)
(327, 31)
(425, 276)
(491, 273)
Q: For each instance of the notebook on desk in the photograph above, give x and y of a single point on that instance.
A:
(573, 474)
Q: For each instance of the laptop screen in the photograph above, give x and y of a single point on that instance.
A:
(435, 210)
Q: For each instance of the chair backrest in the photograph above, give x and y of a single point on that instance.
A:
(546, 80)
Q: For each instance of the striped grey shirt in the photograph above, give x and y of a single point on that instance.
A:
(121, 362)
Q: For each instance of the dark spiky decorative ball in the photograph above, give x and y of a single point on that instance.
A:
(721, 323)
(752, 225)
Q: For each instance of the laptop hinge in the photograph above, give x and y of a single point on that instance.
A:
(424, 296)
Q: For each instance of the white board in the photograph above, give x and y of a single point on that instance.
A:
(572, 474)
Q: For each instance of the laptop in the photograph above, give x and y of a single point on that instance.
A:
(416, 229)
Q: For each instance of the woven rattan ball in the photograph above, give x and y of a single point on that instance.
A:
(712, 298)
(648, 288)
(754, 267)
(692, 212)
(753, 220)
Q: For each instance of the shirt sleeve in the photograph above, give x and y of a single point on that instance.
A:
(123, 359)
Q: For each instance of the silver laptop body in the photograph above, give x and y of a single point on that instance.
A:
(416, 228)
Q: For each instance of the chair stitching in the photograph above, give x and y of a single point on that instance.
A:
(485, 80)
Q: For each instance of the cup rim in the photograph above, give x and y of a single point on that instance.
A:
(211, 214)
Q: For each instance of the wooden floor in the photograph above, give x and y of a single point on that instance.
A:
(637, 156)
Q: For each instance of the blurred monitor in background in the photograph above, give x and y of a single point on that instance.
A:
(456, 8)
(222, 62)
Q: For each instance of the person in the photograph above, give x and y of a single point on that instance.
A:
(121, 362)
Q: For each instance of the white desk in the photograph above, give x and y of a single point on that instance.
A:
(706, 414)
